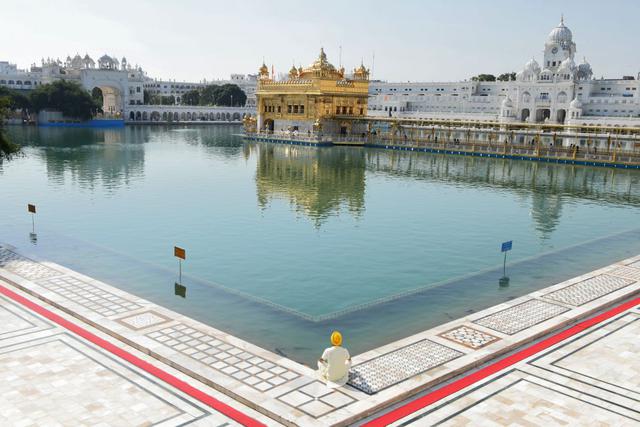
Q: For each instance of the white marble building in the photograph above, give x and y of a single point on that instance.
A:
(558, 90)
(122, 85)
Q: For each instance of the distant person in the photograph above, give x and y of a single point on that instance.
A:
(334, 365)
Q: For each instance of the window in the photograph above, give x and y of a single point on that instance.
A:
(279, 109)
(302, 109)
(289, 108)
(138, 89)
(295, 109)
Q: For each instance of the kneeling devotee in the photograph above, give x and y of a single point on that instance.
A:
(335, 362)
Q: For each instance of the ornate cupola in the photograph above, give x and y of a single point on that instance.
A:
(264, 72)
(293, 73)
(361, 73)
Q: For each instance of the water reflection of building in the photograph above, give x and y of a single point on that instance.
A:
(319, 183)
(546, 186)
(90, 157)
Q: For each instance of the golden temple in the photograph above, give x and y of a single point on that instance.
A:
(313, 100)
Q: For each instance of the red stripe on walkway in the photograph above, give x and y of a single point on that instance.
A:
(151, 369)
(470, 379)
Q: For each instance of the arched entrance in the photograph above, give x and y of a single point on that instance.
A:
(524, 116)
(109, 97)
(542, 114)
(268, 125)
(561, 115)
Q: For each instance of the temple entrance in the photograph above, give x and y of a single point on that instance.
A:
(561, 115)
(524, 116)
(543, 114)
(110, 98)
(268, 125)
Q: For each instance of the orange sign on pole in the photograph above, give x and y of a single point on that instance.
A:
(179, 252)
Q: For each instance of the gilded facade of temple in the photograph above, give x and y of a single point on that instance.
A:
(317, 99)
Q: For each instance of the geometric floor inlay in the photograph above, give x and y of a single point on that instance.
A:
(588, 290)
(316, 399)
(143, 320)
(469, 337)
(396, 366)
(627, 271)
(25, 267)
(520, 317)
(233, 361)
(88, 296)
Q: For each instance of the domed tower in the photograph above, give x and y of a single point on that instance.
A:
(584, 70)
(263, 72)
(575, 109)
(530, 72)
(506, 110)
(558, 47)
(123, 64)
(293, 73)
(361, 73)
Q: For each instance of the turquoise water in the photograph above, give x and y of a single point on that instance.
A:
(285, 243)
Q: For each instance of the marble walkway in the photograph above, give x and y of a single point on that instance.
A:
(254, 386)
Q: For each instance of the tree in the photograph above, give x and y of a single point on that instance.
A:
(7, 148)
(67, 97)
(168, 100)
(146, 96)
(208, 95)
(230, 95)
(484, 78)
(96, 94)
(191, 97)
(505, 77)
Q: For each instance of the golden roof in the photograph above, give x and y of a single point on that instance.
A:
(321, 68)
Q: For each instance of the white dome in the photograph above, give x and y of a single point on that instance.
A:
(533, 66)
(575, 104)
(567, 66)
(584, 70)
(560, 34)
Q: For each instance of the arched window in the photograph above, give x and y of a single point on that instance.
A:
(562, 97)
(526, 97)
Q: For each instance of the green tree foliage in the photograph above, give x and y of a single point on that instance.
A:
(191, 98)
(168, 100)
(484, 78)
(7, 148)
(97, 96)
(146, 96)
(225, 95)
(505, 77)
(68, 97)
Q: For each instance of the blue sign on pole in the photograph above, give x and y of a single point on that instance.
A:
(506, 246)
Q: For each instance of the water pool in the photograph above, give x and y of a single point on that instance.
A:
(285, 243)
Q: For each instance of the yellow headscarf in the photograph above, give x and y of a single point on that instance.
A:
(336, 338)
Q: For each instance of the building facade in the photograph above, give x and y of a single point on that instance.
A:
(123, 85)
(318, 98)
(558, 90)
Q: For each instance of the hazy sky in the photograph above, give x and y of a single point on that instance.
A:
(412, 40)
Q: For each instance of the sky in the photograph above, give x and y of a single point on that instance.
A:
(411, 40)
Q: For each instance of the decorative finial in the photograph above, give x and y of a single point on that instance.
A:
(562, 19)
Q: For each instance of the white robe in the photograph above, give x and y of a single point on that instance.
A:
(335, 367)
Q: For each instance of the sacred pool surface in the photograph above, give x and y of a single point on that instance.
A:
(285, 243)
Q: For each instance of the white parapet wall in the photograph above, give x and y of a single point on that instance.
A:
(185, 113)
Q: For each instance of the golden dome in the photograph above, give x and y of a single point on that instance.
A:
(361, 73)
(264, 69)
(321, 67)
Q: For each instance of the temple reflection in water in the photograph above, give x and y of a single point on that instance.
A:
(324, 182)
(317, 182)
